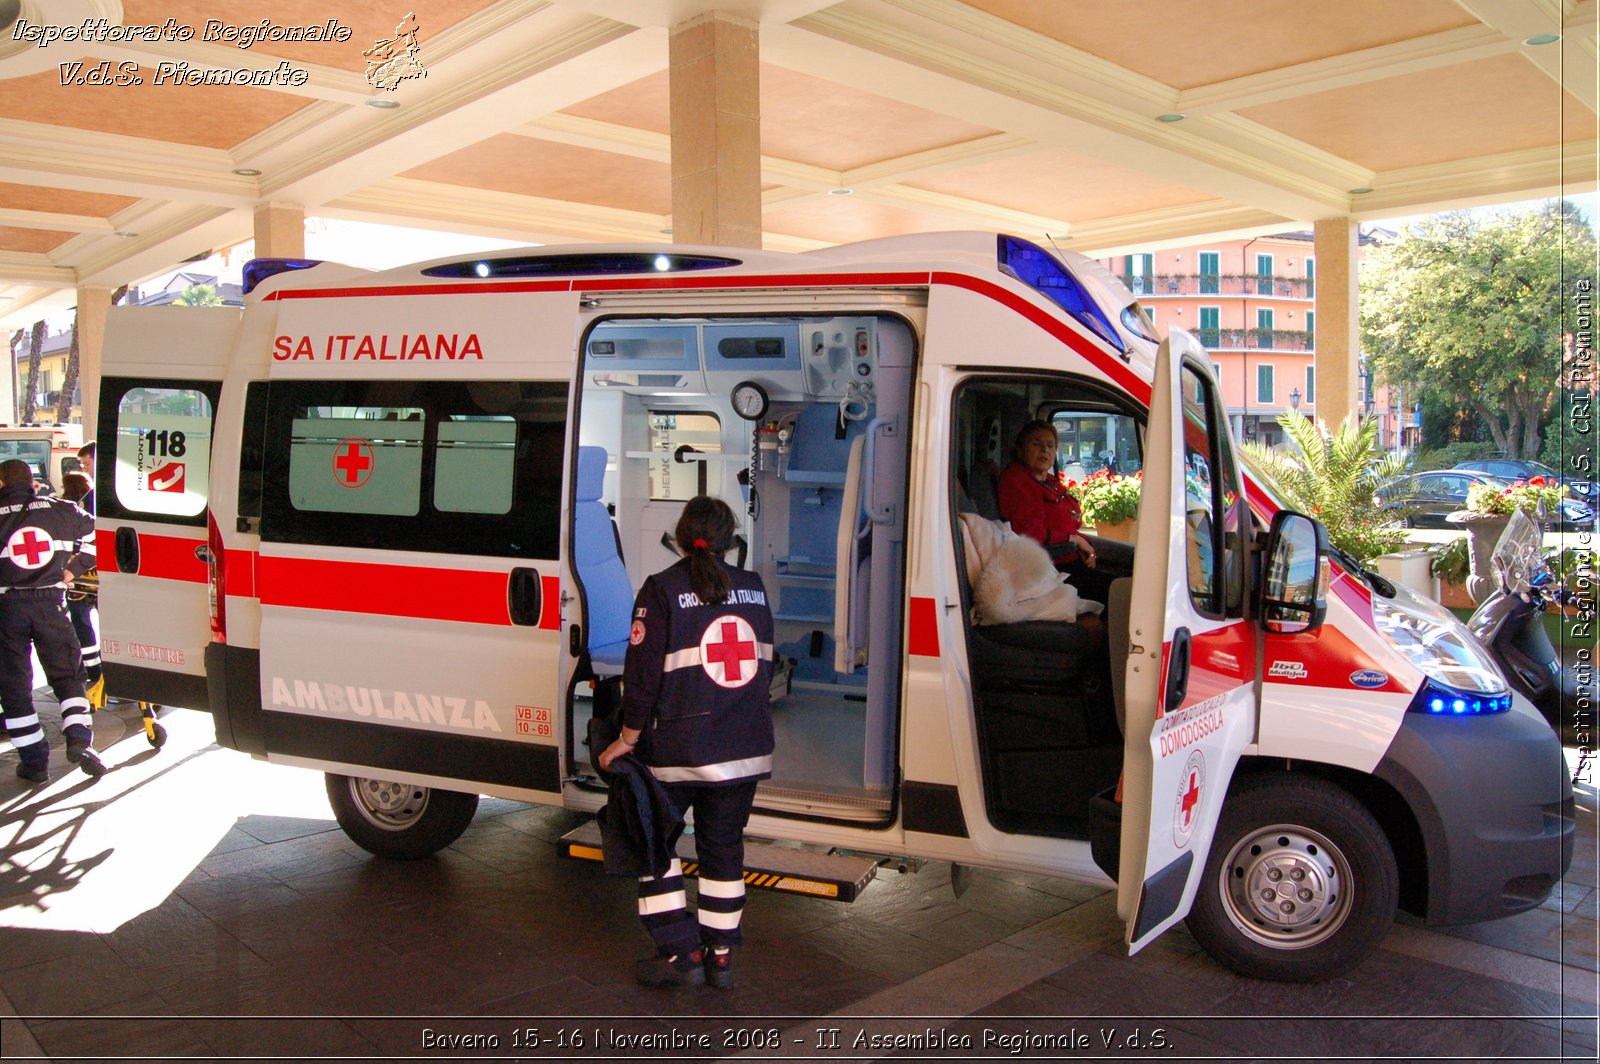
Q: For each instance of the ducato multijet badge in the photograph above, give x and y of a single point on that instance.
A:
(1369, 678)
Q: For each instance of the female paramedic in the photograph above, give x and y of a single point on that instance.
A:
(696, 711)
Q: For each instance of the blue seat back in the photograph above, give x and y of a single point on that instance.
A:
(606, 589)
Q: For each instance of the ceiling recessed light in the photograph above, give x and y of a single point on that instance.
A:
(665, 232)
(383, 104)
(1171, 116)
(1362, 191)
(1541, 38)
(124, 234)
(247, 171)
(841, 192)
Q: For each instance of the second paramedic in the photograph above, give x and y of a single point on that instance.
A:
(696, 710)
(84, 594)
(39, 538)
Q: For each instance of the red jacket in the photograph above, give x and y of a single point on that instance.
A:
(1044, 510)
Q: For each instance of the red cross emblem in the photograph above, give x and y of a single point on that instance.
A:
(1190, 797)
(29, 547)
(352, 462)
(728, 644)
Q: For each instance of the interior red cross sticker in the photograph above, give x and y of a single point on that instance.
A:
(1191, 797)
(733, 648)
(33, 545)
(352, 462)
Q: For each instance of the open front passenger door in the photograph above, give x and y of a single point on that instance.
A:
(1191, 667)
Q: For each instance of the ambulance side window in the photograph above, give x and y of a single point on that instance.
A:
(160, 464)
(671, 480)
(450, 467)
(1212, 504)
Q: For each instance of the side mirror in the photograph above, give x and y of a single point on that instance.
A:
(1294, 595)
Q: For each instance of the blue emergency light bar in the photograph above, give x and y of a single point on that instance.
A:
(581, 265)
(258, 270)
(1439, 701)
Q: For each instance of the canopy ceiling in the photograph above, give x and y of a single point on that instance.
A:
(547, 122)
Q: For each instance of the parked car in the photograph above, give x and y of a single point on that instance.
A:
(1428, 498)
(1585, 491)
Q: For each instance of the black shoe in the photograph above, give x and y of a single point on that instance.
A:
(85, 758)
(719, 968)
(34, 773)
(682, 970)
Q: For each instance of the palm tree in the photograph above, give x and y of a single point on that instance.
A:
(198, 295)
(1334, 478)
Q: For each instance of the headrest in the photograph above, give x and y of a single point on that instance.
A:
(591, 473)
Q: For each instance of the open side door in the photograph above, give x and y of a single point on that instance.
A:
(162, 377)
(1190, 695)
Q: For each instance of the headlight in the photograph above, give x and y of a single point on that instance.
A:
(1438, 645)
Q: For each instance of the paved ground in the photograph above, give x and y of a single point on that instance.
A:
(196, 904)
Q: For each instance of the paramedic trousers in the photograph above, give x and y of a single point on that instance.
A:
(720, 816)
(82, 611)
(37, 618)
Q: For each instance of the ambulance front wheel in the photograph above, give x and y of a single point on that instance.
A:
(399, 820)
(1301, 883)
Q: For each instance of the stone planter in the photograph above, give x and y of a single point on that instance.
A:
(1453, 596)
(1483, 532)
(1121, 531)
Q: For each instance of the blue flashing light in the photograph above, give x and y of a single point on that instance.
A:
(257, 270)
(1045, 274)
(1440, 700)
(581, 264)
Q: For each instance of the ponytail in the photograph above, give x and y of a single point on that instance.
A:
(704, 534)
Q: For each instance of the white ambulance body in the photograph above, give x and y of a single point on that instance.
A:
(420, 502)
(51, 450)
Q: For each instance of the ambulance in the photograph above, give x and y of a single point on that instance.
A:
(390, 525)
(51, 450)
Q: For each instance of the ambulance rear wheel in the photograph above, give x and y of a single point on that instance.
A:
(400, 820)
(1301, 883)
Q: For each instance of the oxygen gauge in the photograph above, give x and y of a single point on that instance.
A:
(749, 400)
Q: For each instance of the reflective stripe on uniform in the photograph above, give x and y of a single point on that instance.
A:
(718, 773)
(690, 657)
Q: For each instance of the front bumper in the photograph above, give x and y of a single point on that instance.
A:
(1494, 804)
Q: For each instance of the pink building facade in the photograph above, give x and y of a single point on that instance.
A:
(1252, 303)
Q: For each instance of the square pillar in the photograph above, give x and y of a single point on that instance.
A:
(714, 66)
(93, 302)
(1338, 341)
(280, 231)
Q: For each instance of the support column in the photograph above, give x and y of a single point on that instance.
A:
(1337, 242)
(93, 302)
(716, 131)
(280, 231)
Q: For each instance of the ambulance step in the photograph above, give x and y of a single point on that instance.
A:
(816, 875)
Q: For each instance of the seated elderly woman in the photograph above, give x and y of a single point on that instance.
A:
(1036, 503)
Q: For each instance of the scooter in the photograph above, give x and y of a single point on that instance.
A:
(1510, 624)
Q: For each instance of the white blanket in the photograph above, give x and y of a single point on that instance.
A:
(1013, 578)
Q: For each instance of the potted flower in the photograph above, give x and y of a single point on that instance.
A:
(1489, 509)
(1110, 503)
(1450, 564)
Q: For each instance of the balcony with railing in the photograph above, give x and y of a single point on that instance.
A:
(1256, 339)
(1219, 284)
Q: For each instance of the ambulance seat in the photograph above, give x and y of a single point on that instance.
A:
(608, 596)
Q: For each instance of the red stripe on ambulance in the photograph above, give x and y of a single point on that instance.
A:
(923, 637)
(160, 557)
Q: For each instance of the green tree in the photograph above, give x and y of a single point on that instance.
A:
(1334, 477)
(1480, 308)
(198, 295)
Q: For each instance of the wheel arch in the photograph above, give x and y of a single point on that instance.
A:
(1391, 809)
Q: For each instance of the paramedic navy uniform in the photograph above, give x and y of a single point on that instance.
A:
(697, 684)
(39, 536)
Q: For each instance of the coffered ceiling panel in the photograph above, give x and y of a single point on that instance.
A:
(1186, 45)
(1107, 125)
(1434, 116)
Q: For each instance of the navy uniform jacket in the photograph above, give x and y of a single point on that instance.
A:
(39, 535)
(697, 679)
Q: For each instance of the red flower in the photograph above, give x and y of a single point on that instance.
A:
(1537, 482)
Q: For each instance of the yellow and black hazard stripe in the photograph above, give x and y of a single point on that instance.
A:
(841, 889)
